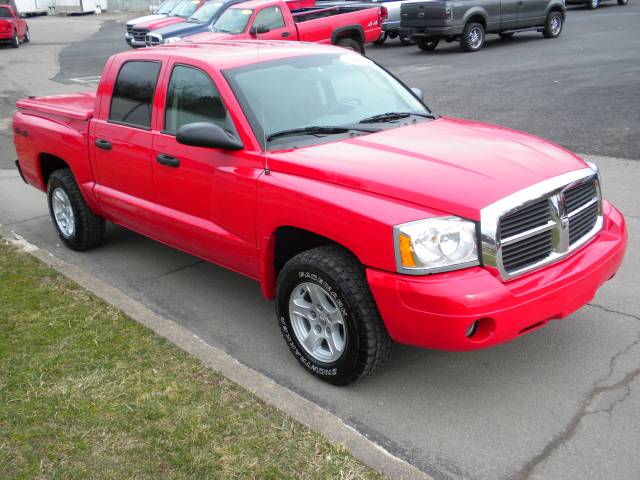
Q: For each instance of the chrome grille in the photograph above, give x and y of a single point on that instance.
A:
(139, 34)
(542, 223)
(130, 29)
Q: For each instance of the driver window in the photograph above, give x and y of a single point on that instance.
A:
(193, 97)
(269, 17)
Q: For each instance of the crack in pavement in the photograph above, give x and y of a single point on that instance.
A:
(586, 405)
(617, 312)
(168, 272)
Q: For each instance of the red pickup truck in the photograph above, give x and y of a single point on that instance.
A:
(368, 218)
(349, 26)
(13, 29)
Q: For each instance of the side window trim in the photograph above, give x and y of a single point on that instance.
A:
(153, 94)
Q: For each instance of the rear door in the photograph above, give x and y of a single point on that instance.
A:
(205, 196)
(121, 142)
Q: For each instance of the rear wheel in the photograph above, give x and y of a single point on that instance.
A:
(383, 38)
(328, 316)
(553, 25)
(593, 4)
(15, 41)
(77, 226)
(350, 44)
(427, 44)
(472, 37)
(27, 36)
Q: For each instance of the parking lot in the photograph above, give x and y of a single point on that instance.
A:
(561, 402)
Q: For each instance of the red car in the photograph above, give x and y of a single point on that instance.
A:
(346, 26)
(13, 29)
(309, 168)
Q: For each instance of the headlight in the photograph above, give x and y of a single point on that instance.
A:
(435, 245)
(172, 40)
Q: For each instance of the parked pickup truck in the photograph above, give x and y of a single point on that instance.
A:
(136, 34)
(163, 11)
(201, 21)
(349, 26)
(13, 29)
(430, 21)
(367, 217)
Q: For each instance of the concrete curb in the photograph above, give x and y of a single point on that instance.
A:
(291, 403)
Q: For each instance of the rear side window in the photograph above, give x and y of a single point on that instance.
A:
(192, 97)
(133, 94)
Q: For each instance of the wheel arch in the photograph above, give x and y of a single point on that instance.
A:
(349, 31)
(284, 243)
(476, 15)
(49, 163)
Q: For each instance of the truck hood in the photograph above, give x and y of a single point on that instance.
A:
(146, 18)
(182, 29)
(454, 166)
(162, 22)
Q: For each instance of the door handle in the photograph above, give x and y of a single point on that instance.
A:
(285, 34)
(167, 160)
(103, 144)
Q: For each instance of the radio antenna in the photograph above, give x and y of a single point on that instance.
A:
(264, 132)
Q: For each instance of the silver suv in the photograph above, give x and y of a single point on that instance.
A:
(468, 21)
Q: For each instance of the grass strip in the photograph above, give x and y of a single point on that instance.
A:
(86, 392)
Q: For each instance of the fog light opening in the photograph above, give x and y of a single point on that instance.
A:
(472, 329)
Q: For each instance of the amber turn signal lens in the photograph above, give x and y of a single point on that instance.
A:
(406, 252)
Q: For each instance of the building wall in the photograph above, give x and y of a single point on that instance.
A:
(131, 5)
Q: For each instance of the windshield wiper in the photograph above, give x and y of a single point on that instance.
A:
(317, 129)
(385, 117)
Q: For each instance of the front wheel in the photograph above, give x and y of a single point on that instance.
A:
(27, 36)
(15, 41)
(77, 226)
(553, 25)
(328, 316)
(428, 44)
(472, 37)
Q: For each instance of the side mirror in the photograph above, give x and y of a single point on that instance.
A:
(258, 29)
(418, 93)
(204, 134)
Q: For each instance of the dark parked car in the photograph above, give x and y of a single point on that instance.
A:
(200, 22)
(429, 22)
(593, 4)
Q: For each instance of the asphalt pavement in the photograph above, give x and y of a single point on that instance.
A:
(560, 402)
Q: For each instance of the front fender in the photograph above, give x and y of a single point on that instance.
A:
(360, 221)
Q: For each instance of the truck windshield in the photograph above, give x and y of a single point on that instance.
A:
(184, 9)
(5, 12)
(234, 21)
(166, 7)
(206, 12)
(327, 94)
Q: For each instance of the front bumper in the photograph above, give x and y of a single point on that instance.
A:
(435, 311)
(134, 43)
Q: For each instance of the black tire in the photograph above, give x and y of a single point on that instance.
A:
(351, 44)
(89, 228)
(383, 38)
(506, 35)
(15, 41)
(468, 41)
(623, 2)
(427, 44)
(406, 41)
(553, 24)
(27, 36)
(593, 4)
(367, 344)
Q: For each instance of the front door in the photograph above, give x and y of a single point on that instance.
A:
(121, 142)
(205, 197)
(271, 17)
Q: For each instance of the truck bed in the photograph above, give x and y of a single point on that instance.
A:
(75, 106)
